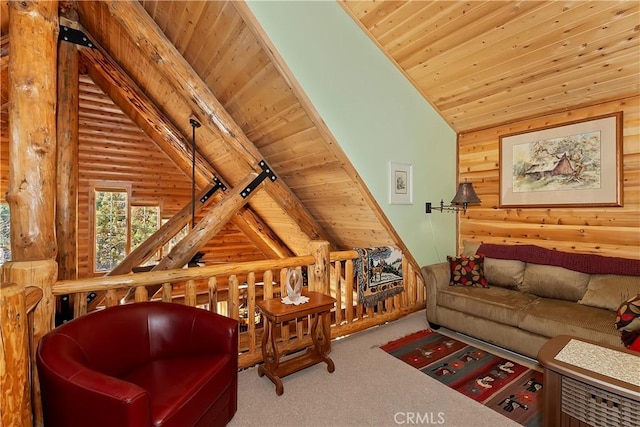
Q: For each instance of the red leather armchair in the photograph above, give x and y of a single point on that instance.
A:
(143, 364)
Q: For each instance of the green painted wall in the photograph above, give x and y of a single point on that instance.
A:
(374, 113)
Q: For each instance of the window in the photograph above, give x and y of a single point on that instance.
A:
(120, 227)
(144, 222)
(5, 233)
(111, 229)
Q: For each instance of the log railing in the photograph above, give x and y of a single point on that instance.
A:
(233, 289)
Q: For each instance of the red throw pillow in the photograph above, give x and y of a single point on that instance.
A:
(628, 322)
(467, 271)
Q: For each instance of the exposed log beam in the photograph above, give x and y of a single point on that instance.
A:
(208, 226)
(33, 26)
(152, 42)
(67, 158)
(165, 233)
(125, 93)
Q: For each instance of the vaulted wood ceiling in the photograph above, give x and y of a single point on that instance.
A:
(479, 63)
(482, 63)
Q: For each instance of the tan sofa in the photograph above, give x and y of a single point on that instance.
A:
(529, 302)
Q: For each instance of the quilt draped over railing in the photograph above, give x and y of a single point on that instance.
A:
(378, 273)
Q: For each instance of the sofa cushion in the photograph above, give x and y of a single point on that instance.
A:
(469, 247)
(504, 272)
(498, 304)
(551, 317)
(467, 271)
(554, 282)
(610, 290)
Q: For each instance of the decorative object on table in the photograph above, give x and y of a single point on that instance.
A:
(378, 273)
(293, 286)
(628, 323)
(400, 183)
(507, 387)
(575, 164)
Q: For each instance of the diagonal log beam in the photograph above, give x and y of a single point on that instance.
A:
(208, 227)
(152, 42)
(125, 93)
(158, 239)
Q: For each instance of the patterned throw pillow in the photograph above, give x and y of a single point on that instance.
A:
(467, 271)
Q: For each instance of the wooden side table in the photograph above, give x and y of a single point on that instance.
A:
(275, 312)
(580, 384)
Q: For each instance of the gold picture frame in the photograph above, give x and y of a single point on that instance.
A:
(573, 164)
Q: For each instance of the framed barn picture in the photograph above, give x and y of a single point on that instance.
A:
(573, 164)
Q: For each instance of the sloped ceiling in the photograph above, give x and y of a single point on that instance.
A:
(482, 63)
(206, 60)
(272, 119)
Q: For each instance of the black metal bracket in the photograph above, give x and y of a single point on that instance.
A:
(72, 35)
(218, 185)
(266, 173)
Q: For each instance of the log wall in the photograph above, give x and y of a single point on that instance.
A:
(612, 231)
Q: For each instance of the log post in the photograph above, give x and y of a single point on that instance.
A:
(318, 274)
(15, 409)
(40, 274)
(33, 30)
(67, 158)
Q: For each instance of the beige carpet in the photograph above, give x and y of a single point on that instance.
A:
(368, 388)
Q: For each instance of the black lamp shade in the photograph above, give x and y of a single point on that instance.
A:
(465, 195)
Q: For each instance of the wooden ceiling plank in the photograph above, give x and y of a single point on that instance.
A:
(207, 26)
(579, 36)
(488, 28)
(152, 42)
(194, 12)
(487, 37)
(578, 65)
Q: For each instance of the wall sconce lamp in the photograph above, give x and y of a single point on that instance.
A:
(465, 196)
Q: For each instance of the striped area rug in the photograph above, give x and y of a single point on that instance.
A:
(498, 383)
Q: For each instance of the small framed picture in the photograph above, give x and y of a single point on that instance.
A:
(400, 183)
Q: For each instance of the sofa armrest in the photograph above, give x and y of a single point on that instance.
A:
(436, 276)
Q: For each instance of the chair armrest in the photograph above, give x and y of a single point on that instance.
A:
(436, 276)
(91, 395)
(216, 333)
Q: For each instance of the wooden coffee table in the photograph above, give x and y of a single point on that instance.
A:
(276, 312)
(587, 383)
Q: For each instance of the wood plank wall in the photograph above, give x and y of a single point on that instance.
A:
(612, 231)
